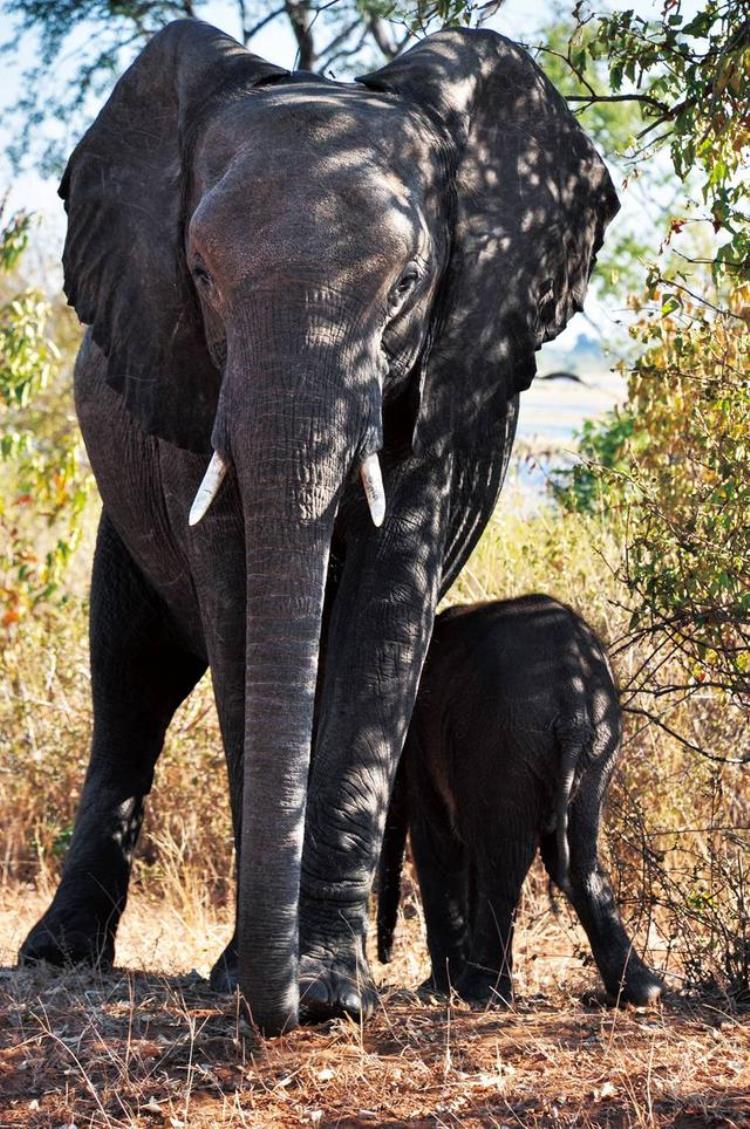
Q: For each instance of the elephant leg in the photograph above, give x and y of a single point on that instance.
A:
(380, 628)
(140, 673)
(442, 870)
(501, 867)
(626, 977)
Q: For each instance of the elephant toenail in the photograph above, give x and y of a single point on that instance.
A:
(351, 1001)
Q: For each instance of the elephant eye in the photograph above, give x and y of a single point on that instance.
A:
(200, 274)
(403, 287)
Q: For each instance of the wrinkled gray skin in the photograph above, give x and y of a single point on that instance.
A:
(297, 273)
(512, 744)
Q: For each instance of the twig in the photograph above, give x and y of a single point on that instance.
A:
(683, 740)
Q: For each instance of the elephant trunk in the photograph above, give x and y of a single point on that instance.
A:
(286, 570)
(294, 440)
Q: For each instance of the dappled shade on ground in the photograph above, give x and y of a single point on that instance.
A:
(143, 1048)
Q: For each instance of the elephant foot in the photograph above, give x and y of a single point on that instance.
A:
(329, 989)
(74, 937)
(225, 974)
(432, 987)
(326, 990)
(484, 989)
(640, 987)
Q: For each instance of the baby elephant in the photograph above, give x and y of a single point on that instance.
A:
(512, 744)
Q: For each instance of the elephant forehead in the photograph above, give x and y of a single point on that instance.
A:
(349, 211)
(311, 135)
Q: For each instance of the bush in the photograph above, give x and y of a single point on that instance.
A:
(676, 462)
(43, 484)
(45, 720)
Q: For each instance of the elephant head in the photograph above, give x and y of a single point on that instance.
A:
(301, 276)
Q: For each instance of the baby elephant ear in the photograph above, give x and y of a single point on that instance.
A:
(533, 198)
(124, 191)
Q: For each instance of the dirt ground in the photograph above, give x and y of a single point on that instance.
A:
(149, 1045)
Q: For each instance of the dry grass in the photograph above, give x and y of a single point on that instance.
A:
(144, 1048)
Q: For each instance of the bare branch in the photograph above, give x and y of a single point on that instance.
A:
(701, 298)
(593, 98)
(249, 32)
(381, 34)
(328, 53)
(683, 740)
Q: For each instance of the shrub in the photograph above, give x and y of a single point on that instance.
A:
(43, 485)
(676, 462)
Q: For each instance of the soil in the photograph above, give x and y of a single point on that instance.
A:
(150, 1045)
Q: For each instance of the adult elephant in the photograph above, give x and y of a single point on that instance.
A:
(306, 278)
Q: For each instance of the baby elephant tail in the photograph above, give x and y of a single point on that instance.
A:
(391, 863)
(573, 742)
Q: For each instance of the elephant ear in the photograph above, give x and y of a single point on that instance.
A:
(532, 200)
(124, 190)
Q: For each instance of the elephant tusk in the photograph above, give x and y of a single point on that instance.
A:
(208, 488)
(372, 483)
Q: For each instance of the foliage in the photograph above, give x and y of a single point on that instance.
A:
(331, 36)
(692, 77)
(676, 462)
(688, 563)
(674, 458)
(43, 489)
(689, 76)
(604, 444)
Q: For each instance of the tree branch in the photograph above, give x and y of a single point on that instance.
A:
(249, 32)
(348, 52)
(683, 740)
(382, 37)
(328, 53)
(723, 310)
(298, 14)
(593, 98)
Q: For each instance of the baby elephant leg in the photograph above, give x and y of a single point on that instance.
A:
(441, 869)
(626, 977)
(502, 866)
